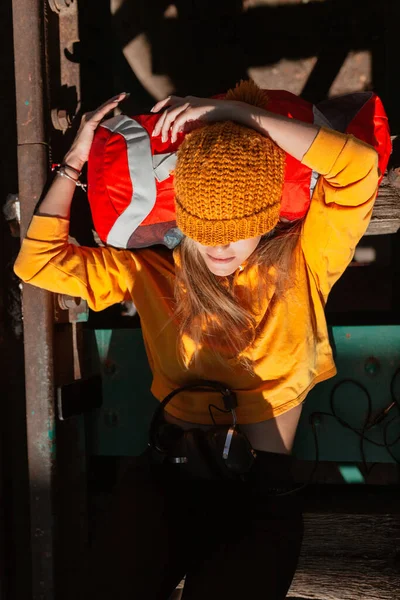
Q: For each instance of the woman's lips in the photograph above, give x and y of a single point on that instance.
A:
(220, 260)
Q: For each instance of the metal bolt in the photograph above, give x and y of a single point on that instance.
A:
(66, 302)
(111, 418)
(60, 119)
(59, 6)
(372, 366)
(71, 309)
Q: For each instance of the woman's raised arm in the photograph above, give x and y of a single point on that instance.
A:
(292, 136)
(345, 193)
(57, 202)
(102, 276)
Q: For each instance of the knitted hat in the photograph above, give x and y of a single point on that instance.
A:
(229, 179)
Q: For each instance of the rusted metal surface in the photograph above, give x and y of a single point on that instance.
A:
(48, 83)
(69, 309)
(75, 311)
(49, 74)
(37, 304)
(60, 6)
(69, 84)
(60, 119)
(70, 498)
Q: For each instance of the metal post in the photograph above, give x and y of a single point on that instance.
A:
(29, 48)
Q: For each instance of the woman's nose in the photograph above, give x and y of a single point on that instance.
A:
(221, 249)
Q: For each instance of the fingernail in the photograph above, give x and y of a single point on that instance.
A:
(152, 109)
(164, 138)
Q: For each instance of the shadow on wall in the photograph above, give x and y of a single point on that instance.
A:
(202, 47)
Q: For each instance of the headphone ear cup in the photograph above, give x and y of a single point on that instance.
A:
(241, 455)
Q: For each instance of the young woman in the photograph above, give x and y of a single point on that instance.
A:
(240, 301)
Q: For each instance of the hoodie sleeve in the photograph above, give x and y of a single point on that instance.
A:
(102, 276)
(341, 205)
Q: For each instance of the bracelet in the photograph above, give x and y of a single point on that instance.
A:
(66, 165)
(60, 170)
(79, 173)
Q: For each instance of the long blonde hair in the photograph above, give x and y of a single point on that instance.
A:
(219, 313)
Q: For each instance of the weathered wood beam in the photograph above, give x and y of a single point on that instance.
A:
(386, 214)
(349, 557)
(351, 547)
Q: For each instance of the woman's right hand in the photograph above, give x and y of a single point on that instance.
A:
(179, 112)
(78, 154)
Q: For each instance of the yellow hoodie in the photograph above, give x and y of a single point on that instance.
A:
(291, 352)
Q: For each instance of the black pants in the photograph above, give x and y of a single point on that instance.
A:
(231, 539)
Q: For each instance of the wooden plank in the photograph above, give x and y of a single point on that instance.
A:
(349, 557)
(351, 544)
(386, 214)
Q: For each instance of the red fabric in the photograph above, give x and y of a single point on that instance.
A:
(371, 126)
(164, 209)
(296, 187)
(108, 177)
(110, 186)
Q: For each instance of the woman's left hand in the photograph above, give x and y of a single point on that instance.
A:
(181, 111)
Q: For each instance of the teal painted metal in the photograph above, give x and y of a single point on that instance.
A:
(119, 427)
(351, 474)
(369, 355)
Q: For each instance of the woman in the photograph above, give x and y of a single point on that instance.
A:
(241, 301)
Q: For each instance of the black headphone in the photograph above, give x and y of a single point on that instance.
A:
(228, 445)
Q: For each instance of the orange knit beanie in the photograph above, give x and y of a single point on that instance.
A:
(229, 178)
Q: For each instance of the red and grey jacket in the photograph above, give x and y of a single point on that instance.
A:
(130, 173)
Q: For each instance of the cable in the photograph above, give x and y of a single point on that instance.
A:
(389, 446)
(368, 423)
(396, 374)
(210, 406)
(228, 396)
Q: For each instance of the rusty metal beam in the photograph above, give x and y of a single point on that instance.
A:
(29, 48)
